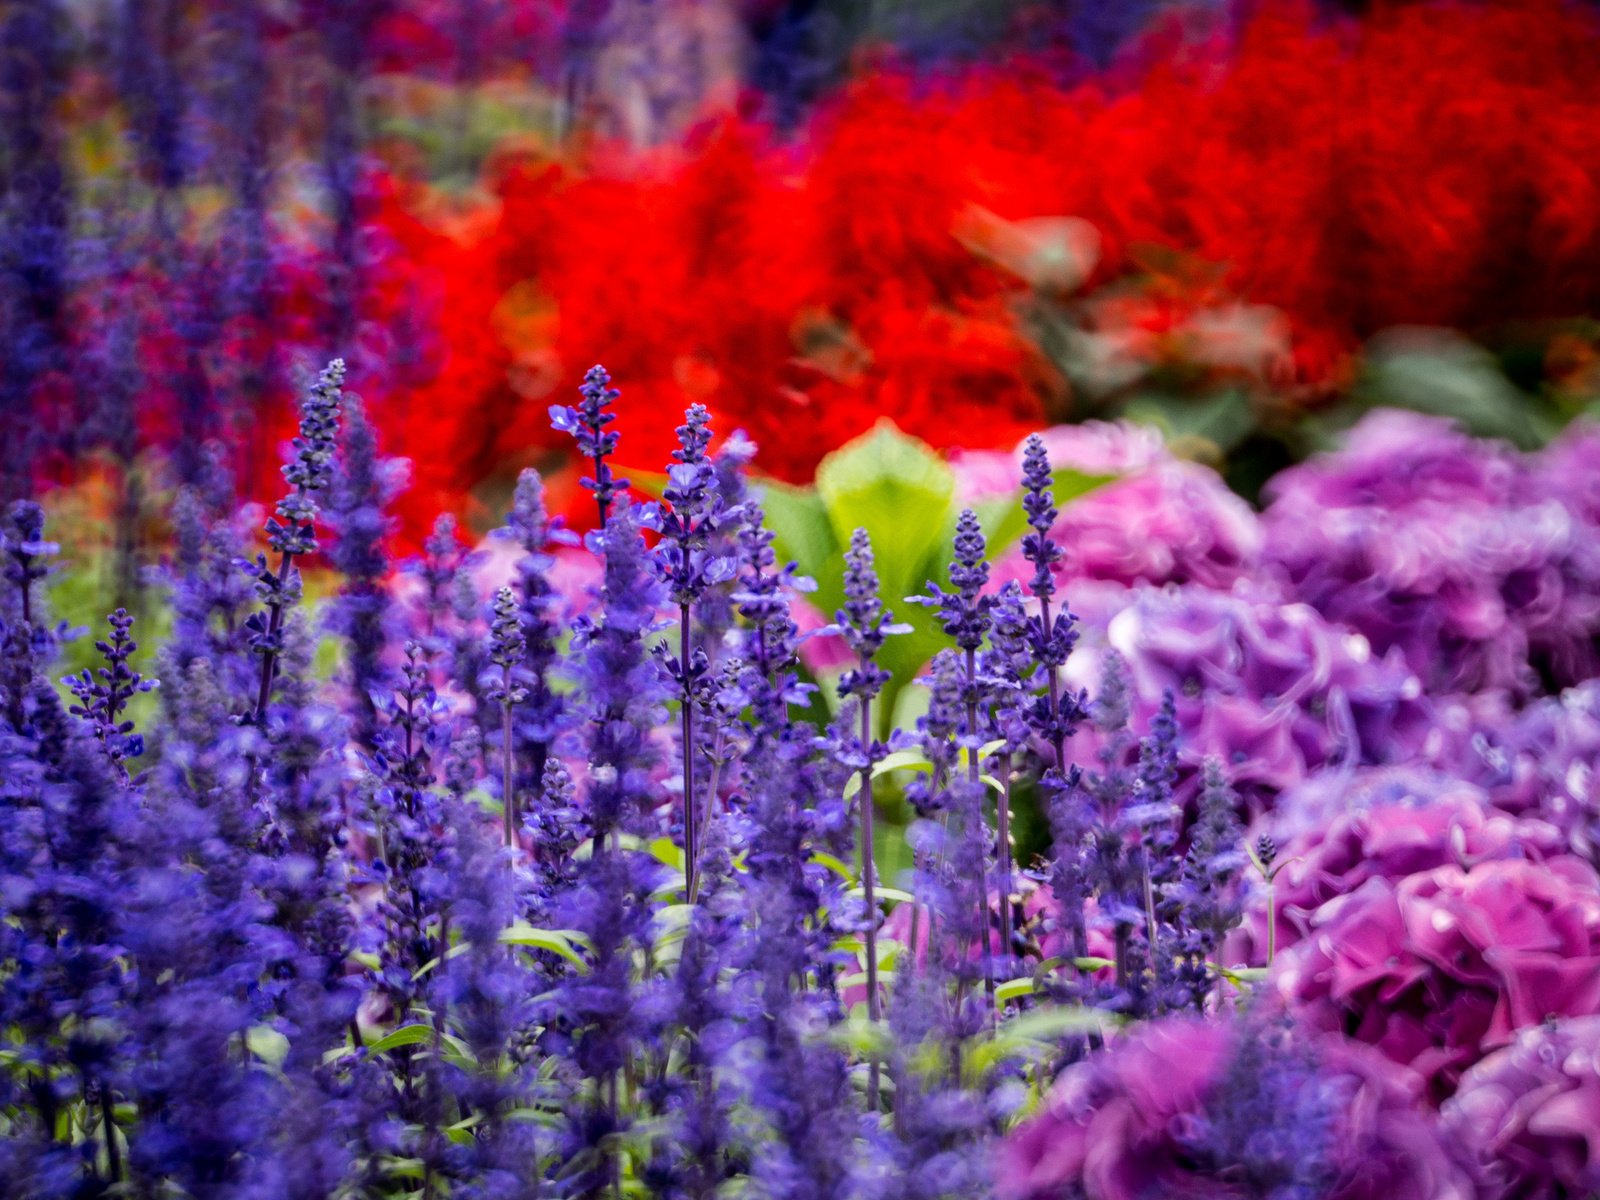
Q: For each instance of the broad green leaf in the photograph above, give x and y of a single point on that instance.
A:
(1220, 421)
(1013, 989)
(1052, 1022)
(406, 1035)
(667, 852)
(1036, 1032)
(367, 959)
(901, 492)
(554, 940)
(859, 978)
(802, 532)
(899, 760)
(1444, 373)
(835, 864)
(1242, 976)
(881, 893)
(862, 1037)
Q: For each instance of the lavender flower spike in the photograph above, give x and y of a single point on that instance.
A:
(688, 568)
(291, 531)
(866, 625)
(1052, 635)
(506, 646)
(587, 424)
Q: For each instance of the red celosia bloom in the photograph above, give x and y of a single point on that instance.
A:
(1404, 169)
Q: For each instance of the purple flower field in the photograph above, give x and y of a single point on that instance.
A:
(1214, 853)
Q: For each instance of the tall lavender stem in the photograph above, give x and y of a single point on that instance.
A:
(587, 424)
(506, 647)
(291, 532)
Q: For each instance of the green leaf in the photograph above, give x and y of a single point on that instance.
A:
(899, 760)
(901, 492)
(802, 532)
(554, 940)
(1242, 976)
(406, 1035)
(1445, 373)
(1049, 1023)
(1013, 989)
(667, 852)
(862, 1037)
(881, 893)
(267, 1044)
(1038, 1031)
(1221, 420)
(834, 863)
(1092, 964)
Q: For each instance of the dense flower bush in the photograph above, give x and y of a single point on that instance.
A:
(550, 880)
(465, 916)
(1455, 551)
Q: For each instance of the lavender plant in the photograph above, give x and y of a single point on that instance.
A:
(661, 974)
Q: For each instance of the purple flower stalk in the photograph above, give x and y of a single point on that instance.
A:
(966, 616)
(102, 700)
(688, 568)
(292, 532)
(541, 715)
(866, 625)
(363, 485)
(506, 647)
(1052, 635)
(587, 425)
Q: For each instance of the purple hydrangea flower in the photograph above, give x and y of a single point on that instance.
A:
(1273, 691)
(1450, 549)
(1442, 967)
(1231, 1110)
(1341, 828)
(1531, 1111)
(1541, 761)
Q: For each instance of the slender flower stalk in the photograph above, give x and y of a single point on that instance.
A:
(540, 718)
(587, 425)
(1009, 668)
(866, 625)
(505, 651)
(1053, 635)
(292, 532)
(102, 701)
(687, 566)
(966, 615)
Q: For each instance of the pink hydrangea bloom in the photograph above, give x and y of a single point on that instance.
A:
(1441, 967)
(1185, 1109)
(1272, 690)
(1531, 1111)
(1449, 548)
(1341, 828)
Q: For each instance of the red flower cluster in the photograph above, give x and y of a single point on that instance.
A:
(1424, 165)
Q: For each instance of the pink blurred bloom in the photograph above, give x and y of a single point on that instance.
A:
(1531, 1110)
(1441, 967)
